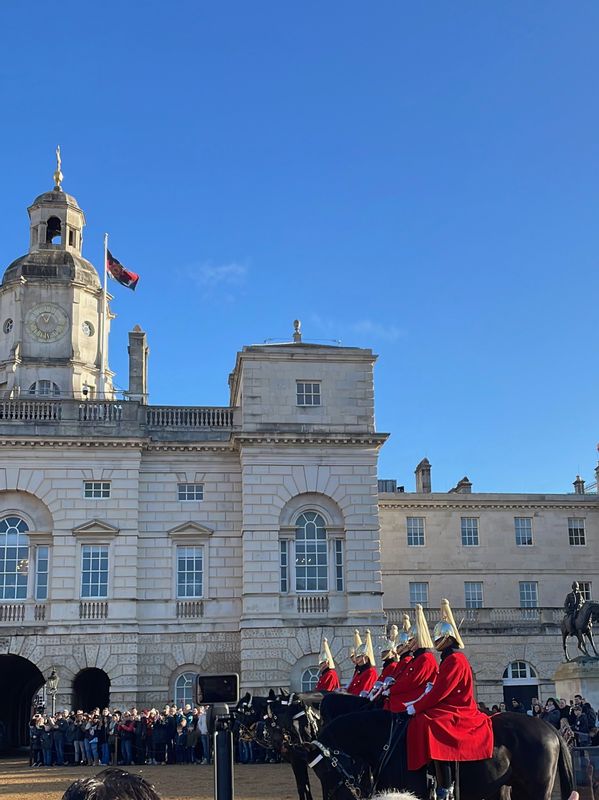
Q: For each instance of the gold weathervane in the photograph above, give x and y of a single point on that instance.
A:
(58, 176)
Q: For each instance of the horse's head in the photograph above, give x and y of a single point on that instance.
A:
(342, 776)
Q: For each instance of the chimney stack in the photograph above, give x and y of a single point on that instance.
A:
(138, 365)
(423, 477)
(462, 487)
(579, 485)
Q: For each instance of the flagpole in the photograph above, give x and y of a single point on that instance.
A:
(104, 337)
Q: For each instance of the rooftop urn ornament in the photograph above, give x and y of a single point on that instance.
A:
(58, 176)
(297, 331)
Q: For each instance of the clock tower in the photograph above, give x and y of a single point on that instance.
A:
(51, 308)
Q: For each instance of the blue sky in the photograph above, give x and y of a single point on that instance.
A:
(421, 179)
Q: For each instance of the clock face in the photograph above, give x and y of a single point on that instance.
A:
(47, 322)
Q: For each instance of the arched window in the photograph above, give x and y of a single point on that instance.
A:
(44, 389)
(519, 671)
(14, 558)
(184, 689)
(311, 556)
(309, 679)
(53, 230)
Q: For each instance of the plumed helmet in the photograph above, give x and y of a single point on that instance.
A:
(403, 638)
(419, 630)
(353, 651)
(387, 646)
(446, 628)
(326, 657)
(366, 650)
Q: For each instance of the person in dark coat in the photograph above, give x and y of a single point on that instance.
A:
(580, 726)
(551, 713)
(517, 706)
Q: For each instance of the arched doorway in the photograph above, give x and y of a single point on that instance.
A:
(21, 680)
(520, 681)
(91, 689)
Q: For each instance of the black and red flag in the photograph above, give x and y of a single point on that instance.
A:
(117, 271)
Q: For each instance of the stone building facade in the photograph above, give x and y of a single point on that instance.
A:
(505, 562)
(141, 545)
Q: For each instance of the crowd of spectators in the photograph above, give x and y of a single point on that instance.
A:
(576, 721)
(177, 735)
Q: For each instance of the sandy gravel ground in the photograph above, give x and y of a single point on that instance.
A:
(18, 781)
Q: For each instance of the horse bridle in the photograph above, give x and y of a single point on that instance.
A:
(346, 778)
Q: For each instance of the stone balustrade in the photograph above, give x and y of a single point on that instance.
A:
(480, 618)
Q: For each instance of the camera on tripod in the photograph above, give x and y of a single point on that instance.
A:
(219, 691)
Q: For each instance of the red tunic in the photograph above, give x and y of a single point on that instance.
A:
(388, 671)
(328, 681)
(447, 725)
(363, 681)
(411, 682)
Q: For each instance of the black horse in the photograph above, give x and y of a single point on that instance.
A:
(335, 705)
(528, 754)
(249, 711)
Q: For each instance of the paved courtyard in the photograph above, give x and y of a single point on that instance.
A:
(18, 781)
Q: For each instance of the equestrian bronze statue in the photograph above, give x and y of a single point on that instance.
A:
(578, 621)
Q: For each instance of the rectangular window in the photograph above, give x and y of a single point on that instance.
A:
(94, 570)
(415, 527)
(523, 529)
(339, 565)
(96, 490)
(190, 491)
(576, 532)
(41, 572)
(284, 562)
(419, 594)
(585, 590)
(470, 531)
(473, 594)
(308, 394)
(190, 572)
(529, 594)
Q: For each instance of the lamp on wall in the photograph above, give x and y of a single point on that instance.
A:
(52, 684)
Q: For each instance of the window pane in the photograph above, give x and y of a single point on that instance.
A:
(419, 594)
(529, 594)
(190, 572)
(311, 557)
(309, 679)
(96, 490)
(585, 590)
(415, 529)
(41, 573)
(190, 491)
(308, 394)
(94, 571)
(576, 531)
(470, 531)
(523, 530)
(339, 565)
(184, 689)
(473, 594)
(14, 558)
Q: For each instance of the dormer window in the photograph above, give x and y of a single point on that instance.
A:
(44, 389)
(53, 230)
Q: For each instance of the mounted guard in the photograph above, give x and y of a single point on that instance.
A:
(365, 674)
(446, 724)
(417, 666)
(328, 680)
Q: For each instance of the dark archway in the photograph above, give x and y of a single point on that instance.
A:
(91, 689)
(22, 680)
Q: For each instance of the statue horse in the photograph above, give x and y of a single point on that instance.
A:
(582, 628)
(528, 756)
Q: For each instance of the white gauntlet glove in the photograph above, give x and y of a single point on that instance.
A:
(411, 710)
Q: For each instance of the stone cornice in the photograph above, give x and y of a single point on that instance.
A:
(6, 441)
(310, 439)
(526, 502)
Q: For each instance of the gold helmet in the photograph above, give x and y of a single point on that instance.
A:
(326, 657)
(403, 638)
(446, 628)
(419, 630)
(357, 642)
(366, 650)
(388, 645)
